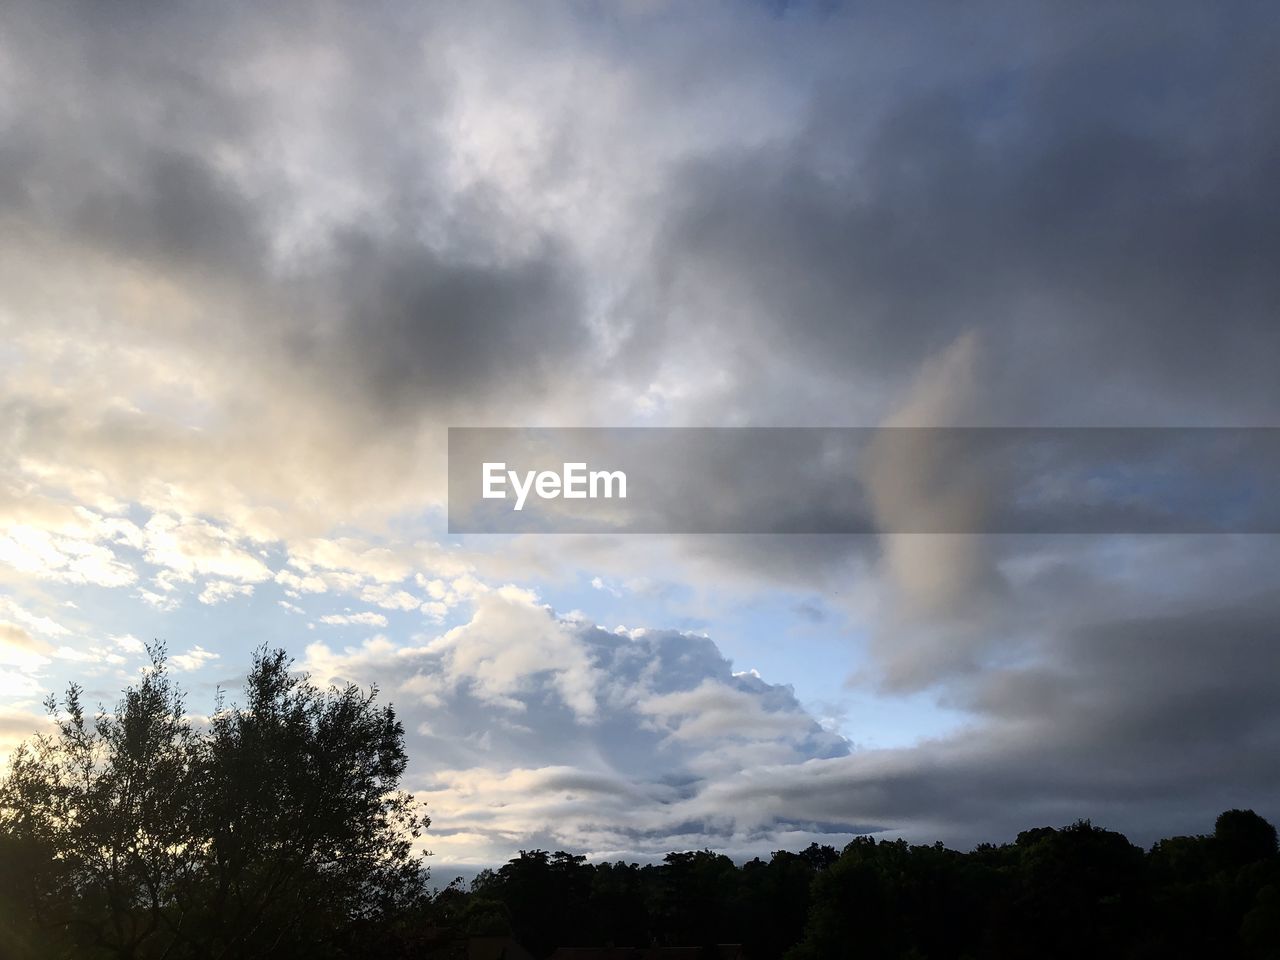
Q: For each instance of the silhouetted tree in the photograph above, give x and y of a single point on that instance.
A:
(776, 898)
(696, 899)
(306, 830)
(1241, 837)
(277, 831)
(1079, 890)
(112, 800)
(618, 907)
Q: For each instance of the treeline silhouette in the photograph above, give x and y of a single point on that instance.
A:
(277, 829)
(1076, 892)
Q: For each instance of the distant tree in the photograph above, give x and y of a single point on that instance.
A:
(1241, 837)
(819, 856)
(548, 895)
(697, 897)
(889, 899)
(619, 908)
(1064, 892)
(1079, 891)
(1260, 926)
(775, 898)
(485, 918)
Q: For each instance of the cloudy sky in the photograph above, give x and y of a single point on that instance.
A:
(256, 259)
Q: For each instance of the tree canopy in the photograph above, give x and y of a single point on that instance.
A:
(276, 828)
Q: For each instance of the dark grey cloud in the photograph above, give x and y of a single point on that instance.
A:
(1102, 200)
(1104, 216)
(417, 327)
(1150, 724)
(152, 143)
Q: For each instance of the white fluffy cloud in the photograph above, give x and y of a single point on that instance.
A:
(218, 591)
(512, 641)
(21, 657)
(715, 711)
(70, 560)
(366, 618)
(192, 659)
(549, 730)
(190, 547)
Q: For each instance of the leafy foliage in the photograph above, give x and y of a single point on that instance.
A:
(277, 830)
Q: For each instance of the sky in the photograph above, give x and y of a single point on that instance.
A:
(255, 260)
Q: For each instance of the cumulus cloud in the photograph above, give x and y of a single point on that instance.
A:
(217, 591)
(189, 547)
(34, 623)
(511, 641)
(714, 711)
(548, 729)
(129, 643)
(192, 659)
(17, 641)
(22, 655)
(365, 618)
(44, 554)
